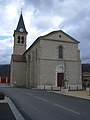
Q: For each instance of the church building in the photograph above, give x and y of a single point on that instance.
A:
(49, 61)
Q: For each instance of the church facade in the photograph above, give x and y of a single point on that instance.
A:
(49, 61)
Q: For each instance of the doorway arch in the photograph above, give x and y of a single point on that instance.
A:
(60, 75)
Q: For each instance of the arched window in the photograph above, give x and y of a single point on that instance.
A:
(18, 40)
(22, 39)
(60, 51)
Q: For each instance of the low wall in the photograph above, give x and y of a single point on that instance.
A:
(49, 87)
(87, 89)
(75, 87)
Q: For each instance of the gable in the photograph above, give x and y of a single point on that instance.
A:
(54, 36)
(59, 36)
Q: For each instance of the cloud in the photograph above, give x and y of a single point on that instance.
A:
(43, 16)
(5, 50)
(41, 5)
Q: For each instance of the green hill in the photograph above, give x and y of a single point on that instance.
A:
(5, 70)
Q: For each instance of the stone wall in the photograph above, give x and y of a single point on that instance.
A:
(18, 74)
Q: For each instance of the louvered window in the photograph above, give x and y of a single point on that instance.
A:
(18, 39)
(22, 40)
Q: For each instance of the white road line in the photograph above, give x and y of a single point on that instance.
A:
(67, 109)
(28, 93)
(41, 98)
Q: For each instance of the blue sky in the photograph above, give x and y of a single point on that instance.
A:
(41, 17)
(4, 37)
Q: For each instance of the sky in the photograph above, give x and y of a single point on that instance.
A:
(41, 17)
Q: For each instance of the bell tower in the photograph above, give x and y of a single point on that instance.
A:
(20, 37)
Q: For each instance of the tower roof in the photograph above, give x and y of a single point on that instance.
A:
(21, 25)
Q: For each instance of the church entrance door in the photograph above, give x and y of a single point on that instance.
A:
(60, 79)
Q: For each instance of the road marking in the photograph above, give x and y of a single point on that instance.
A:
(41, 98)
(28, 93)
(67, 109)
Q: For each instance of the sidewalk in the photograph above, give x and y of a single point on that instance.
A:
(8, 111)
(79, 94)
(5, 112)
(4, 85)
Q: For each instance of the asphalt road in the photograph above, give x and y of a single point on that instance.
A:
(44, 105)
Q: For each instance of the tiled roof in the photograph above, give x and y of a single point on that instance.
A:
(86, 74)
(18, 58)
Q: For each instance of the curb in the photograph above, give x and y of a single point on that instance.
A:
(15, 111)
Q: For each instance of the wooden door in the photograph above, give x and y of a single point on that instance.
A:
(60, 79)
(3, 79)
